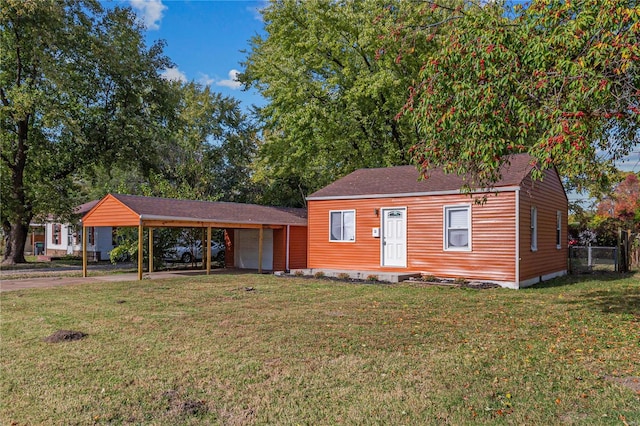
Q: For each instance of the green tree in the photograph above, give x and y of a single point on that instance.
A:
(206, 152)
(78, 87)
(333, 91)
(210, 147)
(557, 79)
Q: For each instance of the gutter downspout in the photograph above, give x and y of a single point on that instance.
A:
(517, 277)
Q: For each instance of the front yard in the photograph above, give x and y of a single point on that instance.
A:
(258, 349)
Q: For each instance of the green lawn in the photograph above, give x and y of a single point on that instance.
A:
(250, 349)
(34, 263)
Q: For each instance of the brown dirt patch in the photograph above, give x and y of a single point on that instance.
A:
(191, 408)
(184, 408)
(631, 382)
(64, 336)
(477, 285)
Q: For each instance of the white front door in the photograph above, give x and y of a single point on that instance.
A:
(394, 237)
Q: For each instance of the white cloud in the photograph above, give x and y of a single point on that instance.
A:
(174, 74)
(149, 12)
(256, 10)
(232, 82)
(205, 80)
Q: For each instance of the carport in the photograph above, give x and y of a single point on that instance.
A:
(287, 226)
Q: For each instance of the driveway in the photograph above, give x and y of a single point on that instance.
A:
(55, 281)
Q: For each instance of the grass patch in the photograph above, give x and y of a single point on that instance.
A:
(304, 351)
(34, 263)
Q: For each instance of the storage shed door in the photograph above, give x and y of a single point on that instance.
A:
(246, 249)
(394, 237)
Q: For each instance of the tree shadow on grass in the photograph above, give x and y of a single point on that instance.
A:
(618, 301)
(613, 299)
(572, 279)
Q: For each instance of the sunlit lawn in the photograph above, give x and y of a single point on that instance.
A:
(251, 349)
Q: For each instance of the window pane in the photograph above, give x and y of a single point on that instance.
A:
(336, 225)
(534, 228)
(458, 238)
(349, 232)
(458, 219)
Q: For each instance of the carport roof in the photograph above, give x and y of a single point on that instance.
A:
(132, 210)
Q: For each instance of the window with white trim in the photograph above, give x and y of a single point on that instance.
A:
(342, 225)
(534, 229)
(457, 227)
(558, 229)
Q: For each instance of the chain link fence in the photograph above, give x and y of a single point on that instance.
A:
(584, 259)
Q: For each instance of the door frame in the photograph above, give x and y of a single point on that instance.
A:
(382, 236)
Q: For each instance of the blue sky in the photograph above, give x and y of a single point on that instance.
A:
(204, 39)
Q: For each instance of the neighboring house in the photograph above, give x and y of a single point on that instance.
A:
(387, 220)
(63, 239)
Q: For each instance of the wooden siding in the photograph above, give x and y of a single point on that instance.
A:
(548, 197)
(111, 212)
(493, 237)
(297, 247)
(280, 249)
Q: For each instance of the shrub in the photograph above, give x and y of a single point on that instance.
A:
(428, 278)
(344, 276)
(460, 280)
(298, 273)
(372, 278)
(319, 274)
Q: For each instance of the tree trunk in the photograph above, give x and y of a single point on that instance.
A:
(22, 210)
(15, 247)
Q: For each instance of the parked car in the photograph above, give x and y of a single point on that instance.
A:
(187, 253)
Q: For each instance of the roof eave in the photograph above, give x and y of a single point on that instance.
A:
(150, 217)
(412, 194)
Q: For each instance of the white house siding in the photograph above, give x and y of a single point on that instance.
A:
(70, 241)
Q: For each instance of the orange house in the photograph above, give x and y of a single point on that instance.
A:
(377, 221)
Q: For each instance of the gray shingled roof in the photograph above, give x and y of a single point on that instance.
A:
(83, 209)
(406, 180)
(167, 208)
